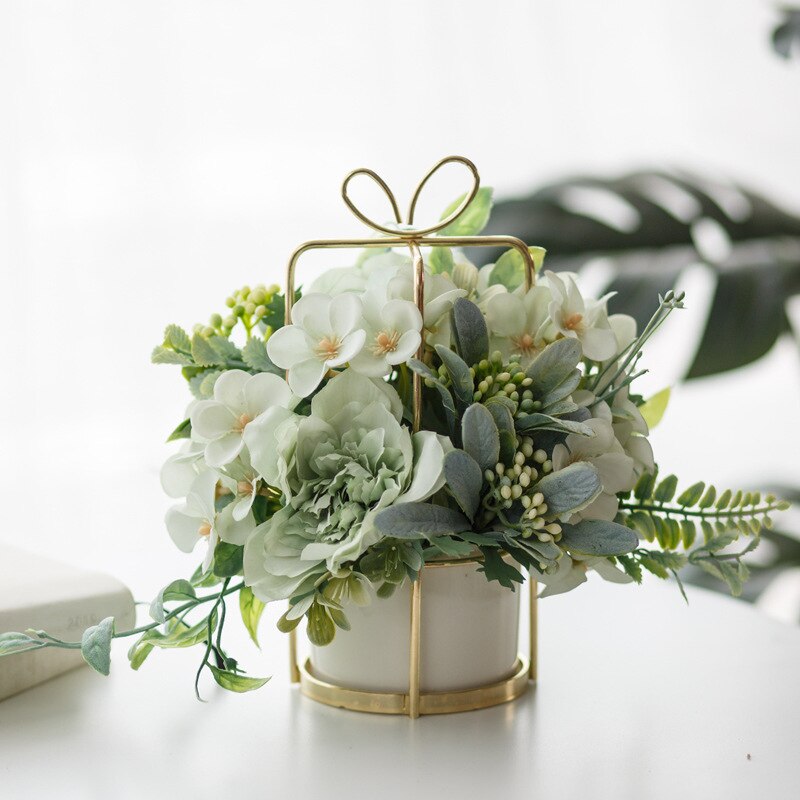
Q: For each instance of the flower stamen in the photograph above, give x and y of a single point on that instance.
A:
(385, 342)
(204, 529)
(573, 322)
(328, 348)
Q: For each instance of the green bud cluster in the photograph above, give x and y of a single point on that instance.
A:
(495, 378)
(516, 483)
(246, 304)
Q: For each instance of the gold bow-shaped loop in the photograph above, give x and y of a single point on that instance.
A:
(405, 228)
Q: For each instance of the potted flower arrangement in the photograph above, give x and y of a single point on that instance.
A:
(414, 414)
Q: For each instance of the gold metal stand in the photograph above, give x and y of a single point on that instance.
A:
(404, 234)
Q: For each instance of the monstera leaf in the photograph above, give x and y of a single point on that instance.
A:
(651, 226)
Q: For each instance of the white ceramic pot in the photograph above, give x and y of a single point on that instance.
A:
(468, 636)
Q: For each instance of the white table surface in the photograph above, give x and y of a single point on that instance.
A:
(638, 697)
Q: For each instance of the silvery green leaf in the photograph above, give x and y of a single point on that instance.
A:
(474, 217)
(460, 376)
(162, 355)
(596, 537)
(480, 437)
(544, 422)
(421, 368)
(496, 568)
(14, 642)
(554, 364)
(563, 390)
(177, 338)
(505, 427)
(234, 682)
(542, 551)
(471, 334)
(204, 354)
(560, 407)
(254, 354)
(96, 645)
(224, 348)
(452, 547)
(464, 477)
(420, 521)
(177, 590)
(487, 539)
(205, 386)
(571, 489)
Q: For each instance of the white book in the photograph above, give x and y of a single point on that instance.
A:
(39, 593)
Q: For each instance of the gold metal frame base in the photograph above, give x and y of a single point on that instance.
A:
(492, 694)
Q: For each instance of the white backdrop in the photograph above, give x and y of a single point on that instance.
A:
(156, 155)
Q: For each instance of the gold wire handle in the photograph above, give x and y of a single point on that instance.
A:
(404, 234)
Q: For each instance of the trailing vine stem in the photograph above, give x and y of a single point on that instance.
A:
(52, 641)
(210, 636)
(686, 512)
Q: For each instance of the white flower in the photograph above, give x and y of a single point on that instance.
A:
(520, 324)
(342, 464)
(239, 398)
(241, 480)
(571, 572)
(393, 335)
(585, 320)
(197, 519)
(180, 470)
(439, 294)
(613, 465)
(324, 333)
(630, 430)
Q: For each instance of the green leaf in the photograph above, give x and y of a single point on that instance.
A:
(559, 393)
(180, 635)
(161, 355)
(286, 625)
(465, 480)
(665, 490)
(708, 498)
(471, 333)
(554, 364)
(643, 523)
(451, 547)
(474, 217)
(177, 590)
(420, 521)
(320, 629)
(631, 567)
(598, 538)
(183, 431)
(723, 500)
(571, 489)
(204, 354)
(509, 269)
(717, 543)
(251, 609)
(254, 354)
(496, 568)
(708, 531)
(460, 376)
(228, 560)
(480, 437)
(440, 260)
(234, 682)
(177, 338)
(688, 533)
(691, 495)
(654, 407)
(18, 643)
(96, 645)
(645, 485)
(138, 653)
(653, 566)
